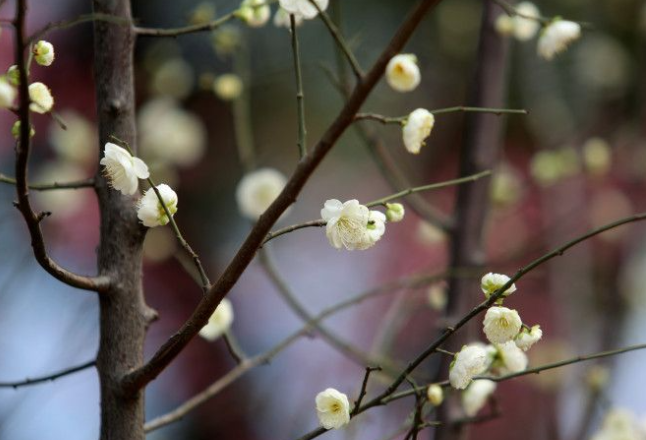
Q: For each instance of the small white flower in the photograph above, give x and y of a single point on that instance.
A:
(351, 225)
(501, 324)
(504, 25)
(402, 73)
(417, 128)
(303, 7)
(395, 212)
(556, 37)
(511, 359)
(122, 169)
(228, 87)
(41, 98)
(13, 75)
(43, 53)
(219, 322)
(526, 28)
(332, 409)
(258, 190)
(255, 13)
(281, 19)
(476, 395)
(468, 362)
(150, 210)
(526, 339)
(494, 281)
(7, 94)
(435, 394)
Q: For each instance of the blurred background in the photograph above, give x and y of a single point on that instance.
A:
(575, 162)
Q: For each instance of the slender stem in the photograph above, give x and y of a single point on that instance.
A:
(402, 119)
(85, 18)
(292, 228)
(338, 37)
(48, 378)
(234, 347)
(87, 183)
(364, 389)
(300, 96)
(175, 32)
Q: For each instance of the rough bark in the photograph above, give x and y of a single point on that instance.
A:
(480, 151)
(124, 314)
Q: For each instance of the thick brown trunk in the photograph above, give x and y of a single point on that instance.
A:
(124, 314)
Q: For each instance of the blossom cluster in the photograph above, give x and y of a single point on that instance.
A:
(525, 22)
(256, 13)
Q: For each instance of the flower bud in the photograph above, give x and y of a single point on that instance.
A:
(394, 212)
(44, 53)
(13, 75)
(15, 130)
(228, 87)
(435, 394)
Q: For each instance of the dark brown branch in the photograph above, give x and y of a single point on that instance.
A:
(49, 378)
(98, 284)
(169, 350)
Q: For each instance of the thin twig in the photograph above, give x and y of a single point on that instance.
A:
(176, 32)
(49, 378)
(66, 24)
(87, 183)
(300, 96)
(292, 228)
(364, 389)
(440, 111)
(98, 284)
(234, 347)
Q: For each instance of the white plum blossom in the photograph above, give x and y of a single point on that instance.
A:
(41, 98)
(494, 281)
(332, 409)
(469, 362)
(43, 53)
(7, 94)
(476, 395)
(303, 8)
(417, 128)
(258, 190)
(510, 358)
(219, 322)
(402, 73)
(395, 212)
(255, 13)
(556, 37)
(526, 28)
(281, 19)
(150, 210)
(351, 225)
(122, 169)
(527, 338)
(501, 324)
(435, 394)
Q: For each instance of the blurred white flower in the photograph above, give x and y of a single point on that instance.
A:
(41, 98)
(150, 210)
(228, 87)
(351, 225)
(417, 128)
(504, 25)
(258, 190)
(510, 358)
(526, 28)
(395, 212)
(169, 133)
(505, 188)
(77, 142)
(527, 338)
(494, 281)
(303, 7)
(7, 94)
(436, 296)
(281, 19)
(476, 395)
(501, 324)
(556, 37)
(467, 363)
(597, 156)
(332, 409)
(620, 424)
(43, 53)
(255, 13)
(430, 234)
(202, 13)
(174, 78)
(122, 169)
(435, 394)
(219, 322)
(402, 73)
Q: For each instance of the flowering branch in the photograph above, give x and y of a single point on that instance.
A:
(171, 348)
(512, 11)
(300, 96)
(402, 119)
(98, 284)
(49, 378)
(87, 183)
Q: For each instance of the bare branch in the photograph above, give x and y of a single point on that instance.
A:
(66, 24)
(49, 378)
(87, 183)
(176, 32)
(300, 95)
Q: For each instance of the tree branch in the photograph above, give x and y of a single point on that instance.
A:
(66, 24)
(300, 96)
(176, 32)
(50, 377)
(169, 350)
(87, 183)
